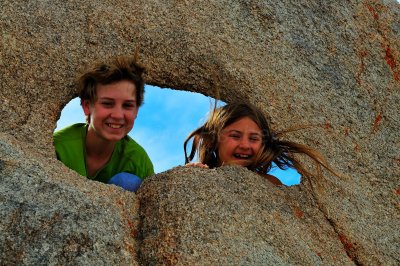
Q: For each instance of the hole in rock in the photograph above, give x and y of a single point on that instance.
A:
(163, 123)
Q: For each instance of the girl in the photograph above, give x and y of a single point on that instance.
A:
(239, 133)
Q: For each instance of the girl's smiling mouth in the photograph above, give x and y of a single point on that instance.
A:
(241, 156)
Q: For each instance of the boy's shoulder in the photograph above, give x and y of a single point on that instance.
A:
(129, 145)
(132, 153)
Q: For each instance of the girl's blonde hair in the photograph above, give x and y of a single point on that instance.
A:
(274, 150)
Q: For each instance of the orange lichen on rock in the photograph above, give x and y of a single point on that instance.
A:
(377, 121)
(391, 61)
(298, 212)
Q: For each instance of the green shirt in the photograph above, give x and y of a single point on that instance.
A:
(128, 156)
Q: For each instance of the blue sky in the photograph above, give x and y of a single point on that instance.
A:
(163, 123)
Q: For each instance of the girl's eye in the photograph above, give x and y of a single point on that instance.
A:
(255, 138)
(234, 136)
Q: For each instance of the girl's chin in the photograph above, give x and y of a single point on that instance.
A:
(239, 162)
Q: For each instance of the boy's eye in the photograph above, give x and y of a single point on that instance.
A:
(107, 104)
(129, 105)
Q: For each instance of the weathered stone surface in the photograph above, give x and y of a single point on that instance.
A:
(231, 216)
(52, 216)
(333, 65)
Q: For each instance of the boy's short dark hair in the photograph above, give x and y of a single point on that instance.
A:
(110, 71)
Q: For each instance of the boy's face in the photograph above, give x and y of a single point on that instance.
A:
(239, 142)
(114, 112)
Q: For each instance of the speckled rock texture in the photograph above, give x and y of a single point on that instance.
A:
(333, 66)
(231, 216)
(52, 216)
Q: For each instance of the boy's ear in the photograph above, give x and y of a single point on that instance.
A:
(86, 107)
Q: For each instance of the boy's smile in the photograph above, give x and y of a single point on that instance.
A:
(239, 142)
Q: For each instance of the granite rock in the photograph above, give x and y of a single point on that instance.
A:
(53, 216)
(331, 66)
(231, 216)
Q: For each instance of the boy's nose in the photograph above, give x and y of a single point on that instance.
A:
(117, 113)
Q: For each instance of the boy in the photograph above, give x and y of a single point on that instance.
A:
(111, 94)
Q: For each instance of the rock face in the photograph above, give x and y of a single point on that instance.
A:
(231, 216)
(50, 215)
(335, 66)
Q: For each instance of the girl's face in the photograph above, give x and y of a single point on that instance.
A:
(114, 112)
(239, 142)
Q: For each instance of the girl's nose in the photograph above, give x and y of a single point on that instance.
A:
(244, 143)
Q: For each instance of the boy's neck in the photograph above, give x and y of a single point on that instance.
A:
(98, 152)
(97, 146)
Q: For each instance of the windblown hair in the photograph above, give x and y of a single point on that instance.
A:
(107, 72)
(281, 152)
